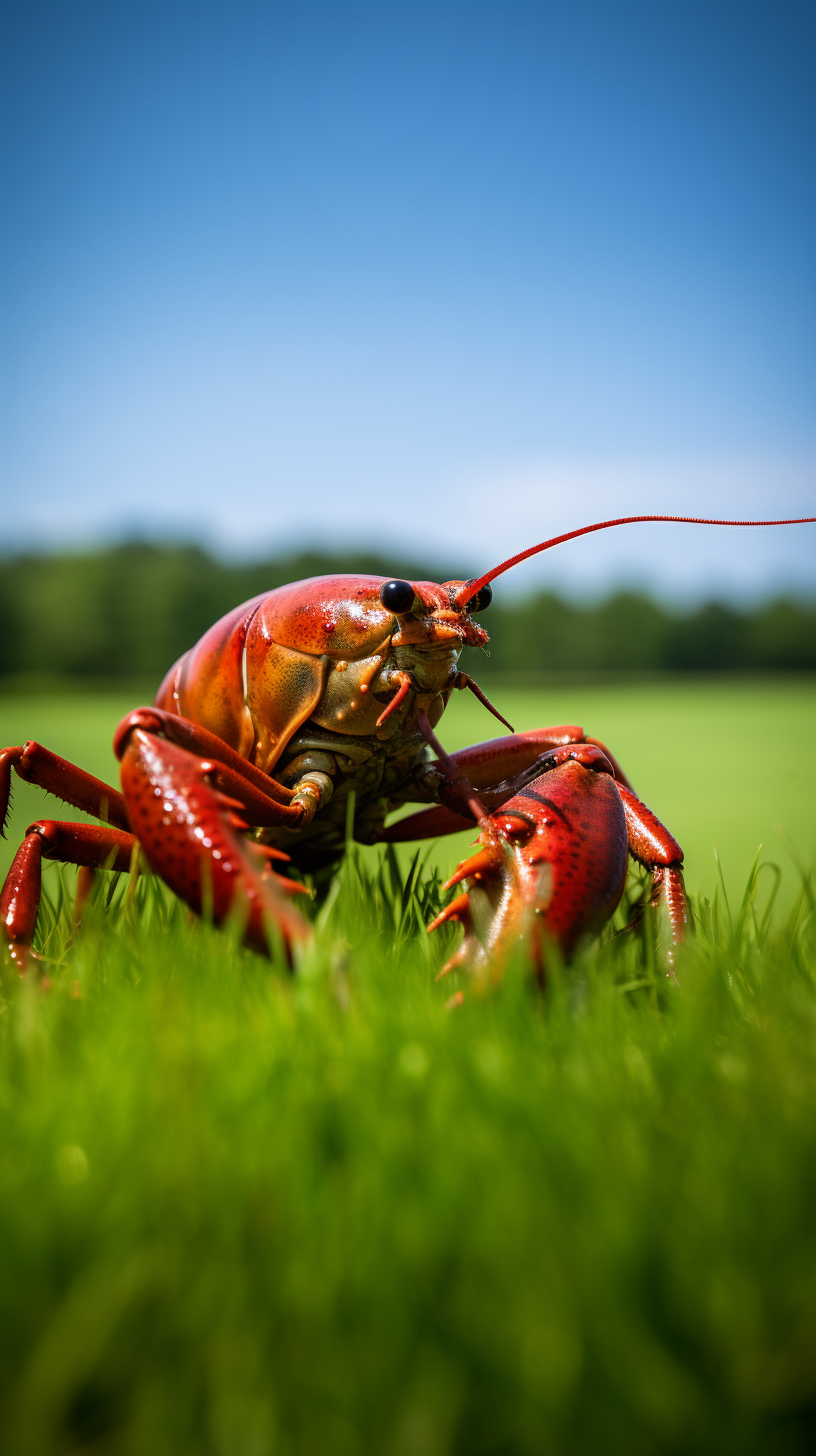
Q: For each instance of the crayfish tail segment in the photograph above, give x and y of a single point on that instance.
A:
(189, 832)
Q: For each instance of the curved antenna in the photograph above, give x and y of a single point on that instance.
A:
(472, 587)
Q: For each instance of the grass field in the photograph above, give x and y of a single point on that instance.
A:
(242, 1212)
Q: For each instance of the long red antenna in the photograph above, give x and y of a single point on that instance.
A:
(472, 587)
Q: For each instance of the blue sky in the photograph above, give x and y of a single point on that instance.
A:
(445, 277)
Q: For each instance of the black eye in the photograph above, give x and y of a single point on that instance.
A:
(481, 600)
(397, 596)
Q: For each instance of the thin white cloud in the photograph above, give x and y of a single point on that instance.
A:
(471, 516)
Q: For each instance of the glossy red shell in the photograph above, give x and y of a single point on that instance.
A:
(259, 672)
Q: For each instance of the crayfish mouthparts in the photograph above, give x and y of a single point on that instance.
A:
(464, 680)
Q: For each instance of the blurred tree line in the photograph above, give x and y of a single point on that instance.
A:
(131, 610)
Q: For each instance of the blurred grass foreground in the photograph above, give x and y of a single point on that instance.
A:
(246, 1212)
(130, 611)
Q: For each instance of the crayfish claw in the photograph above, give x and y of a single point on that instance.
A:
(193, 835)
(550, 870)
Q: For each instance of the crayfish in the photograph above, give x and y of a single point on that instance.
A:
(292, 702)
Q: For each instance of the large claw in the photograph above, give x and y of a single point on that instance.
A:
(550, 868)
(191, 834)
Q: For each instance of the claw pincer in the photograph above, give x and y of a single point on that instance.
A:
(551, 865)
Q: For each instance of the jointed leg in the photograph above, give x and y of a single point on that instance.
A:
(199, 741)
(190, 799)
(426, 824)
(668, 889)
(88, 845)
(267, 800)
(85, 845)
(191, 814)
(38, 765)
(497, 770)
(651, 844)
(486, 765)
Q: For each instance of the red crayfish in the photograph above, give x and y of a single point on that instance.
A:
(334, 685)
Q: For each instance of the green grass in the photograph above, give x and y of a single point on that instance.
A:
(245, 1212)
